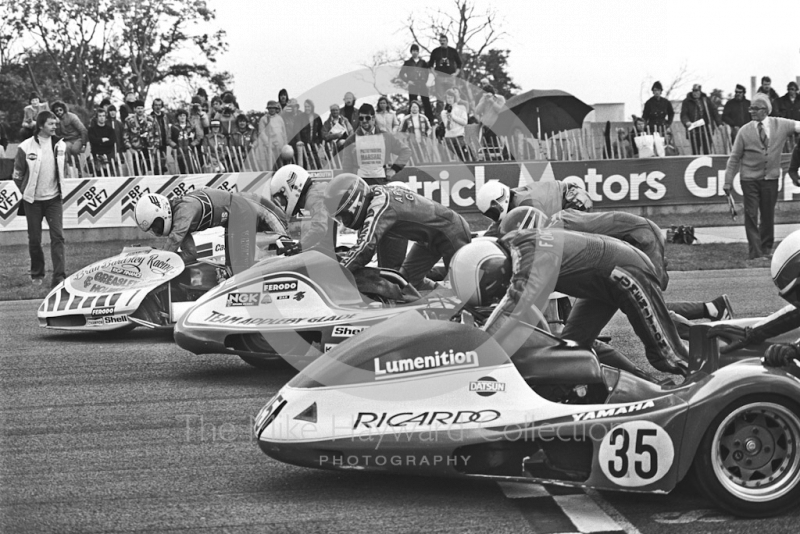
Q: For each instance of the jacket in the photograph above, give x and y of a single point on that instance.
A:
(163, 124)
(398, 212)
(183, 137)
(311, 132)
(31, 112)
(789, 109)
(27, 161)
(658, 112)
(695, 109)
(141, 134)
(102, 138)
(751, 159)
(242, 138)
(355, 151)
(735, 113)
(424, 126)
(548, 196)
(72, 128)
(329, 125)
(415, 75)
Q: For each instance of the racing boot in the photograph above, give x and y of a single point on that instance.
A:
(719, 309)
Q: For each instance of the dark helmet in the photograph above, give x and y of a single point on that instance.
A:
(785, 268)
(523, 218)
(346, 199)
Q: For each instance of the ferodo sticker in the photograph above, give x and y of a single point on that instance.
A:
(108, 310)
(635, 454)
(276, 287)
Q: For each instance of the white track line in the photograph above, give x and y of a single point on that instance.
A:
(623, 523)
(522, 490)
(585, 514)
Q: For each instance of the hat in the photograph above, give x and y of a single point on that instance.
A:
(415, 46)
(697, 87)
(273, 104)
(761, 97)
(740, 87)
(366, 109)
(488, 89)
(32, 96)
(657, 87)
(197, 100)
(216, 123)
(792, 85)
(138, 104)
(242, 117)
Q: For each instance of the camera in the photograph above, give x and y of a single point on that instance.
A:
(448, 108)
(196, 108)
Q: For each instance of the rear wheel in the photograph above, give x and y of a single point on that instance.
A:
(748, 462)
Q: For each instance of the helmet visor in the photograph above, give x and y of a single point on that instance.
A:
(157, 227)
(281, 200)
(495, 211)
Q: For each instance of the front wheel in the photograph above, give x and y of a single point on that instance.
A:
(748, 462)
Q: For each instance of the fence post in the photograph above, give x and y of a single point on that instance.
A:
(300, 153)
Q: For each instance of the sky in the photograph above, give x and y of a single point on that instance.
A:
(601, 51)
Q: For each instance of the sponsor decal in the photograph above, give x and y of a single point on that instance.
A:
(159, 266)
(613, 412)
(127, 270)
(9, 199)
(281, 297)
(422, 365)
(108, 310)
(32, 156)
(344, 330)
(268, 414)
(277, 287)
(487, 386)
(115, 320)
(300, 295)
(402, 419)
(629, 284)
(219, 248)
(266, 299)
(329, 346)
(242, 299)
(95, 321)
(636, 454)
(221, 318)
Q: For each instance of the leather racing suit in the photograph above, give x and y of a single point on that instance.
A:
(395, 212)
(604, 275)
(549, 196)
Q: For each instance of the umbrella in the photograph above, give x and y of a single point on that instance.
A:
(554, 110)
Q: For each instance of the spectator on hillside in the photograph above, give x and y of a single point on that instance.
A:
(141, 137)
(349, 109)
(103, 140)
(385, 118)
(198, 117)
(766, 89)
(293, 120)
(368, 151)
(487, 111)
(184, 139)
(337, 128)
(789, 103)
(162, 120)
(105, 103)
(126, 109)
(271, 137)
(216, 145)
(30, 113)
(230, 111)
(283, 98)
(216, 109)
(695, 107)
(415, 74)
(242, 136)
(658, 112)
(71, 130)
(119, 129)
(201, 95)
(735, 113)
(445, 63)
(311, 131)
(454, 118)
(416, 124)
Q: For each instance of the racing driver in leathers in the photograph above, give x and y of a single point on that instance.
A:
(199, 210)
(605, 275)
(293, 190)
(785, 270)
(381, 212)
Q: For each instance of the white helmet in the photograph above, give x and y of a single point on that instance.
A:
(493, 200)
(480, 272)
(574, 180)
(288, 187)
(153, 213)
(785, 268)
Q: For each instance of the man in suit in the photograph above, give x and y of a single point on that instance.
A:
(756, 154)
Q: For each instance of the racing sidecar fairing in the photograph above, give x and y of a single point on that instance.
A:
(450, 401)
(293, 306)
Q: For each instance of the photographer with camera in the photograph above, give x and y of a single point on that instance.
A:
(227, 116)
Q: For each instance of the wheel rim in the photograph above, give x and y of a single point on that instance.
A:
(755, 452)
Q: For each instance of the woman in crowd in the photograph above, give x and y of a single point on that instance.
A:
(385, 117)
(311, 133)
(454, 118)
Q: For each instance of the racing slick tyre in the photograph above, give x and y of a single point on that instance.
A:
(748, 462)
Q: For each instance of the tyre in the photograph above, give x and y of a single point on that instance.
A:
(258, 363)
(748, 462)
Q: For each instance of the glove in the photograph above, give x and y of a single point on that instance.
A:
(781, 355)
(290, 249)
(736, 336)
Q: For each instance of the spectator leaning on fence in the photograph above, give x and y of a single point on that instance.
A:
(242, 136)
(658, 113)
(30, 113)
(183, 139)
(789, 103)
(415, 74)
(756, 156)
(39, 172)
(336, 128)
(368, 150)
(695, 107)
(349, 109)
(415, 123)
(119, 129)
(140, 137)
(162, 123)
(102, 138)
(271, 136)
(385, 118)
(487, 111)
(735, 113)
(766, 89)
(73, 132)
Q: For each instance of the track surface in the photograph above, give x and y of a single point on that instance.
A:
(130, 433)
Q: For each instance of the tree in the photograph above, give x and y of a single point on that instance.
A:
(492, 66)
(155, 31)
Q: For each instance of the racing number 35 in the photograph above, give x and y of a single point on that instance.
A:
(635, 454)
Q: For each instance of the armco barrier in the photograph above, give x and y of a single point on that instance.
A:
(676, 181)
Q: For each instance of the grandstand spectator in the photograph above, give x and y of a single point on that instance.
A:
(487, 111)
(230, 112)
(198, 117)
(311, 131)
(126, 108)
(336, 129)
(349, 109)
(293, 120)
(201, 95)
(216, 145)
(454, 118)
(105, 103)
(735, 113)
(658, 112)
(271, 137)
(415, 74)
(415, 124)
(766, 89)
(103, 140)
(71, 130)
(30, 113)
(283, 98)
(119, 129)
(216, 109)
(385, 118)
(140, 137)
(163, 123)
(695, 107)
(184, 138)
(242, 136)
(789, 103)
(445, 63)
(368, 150)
